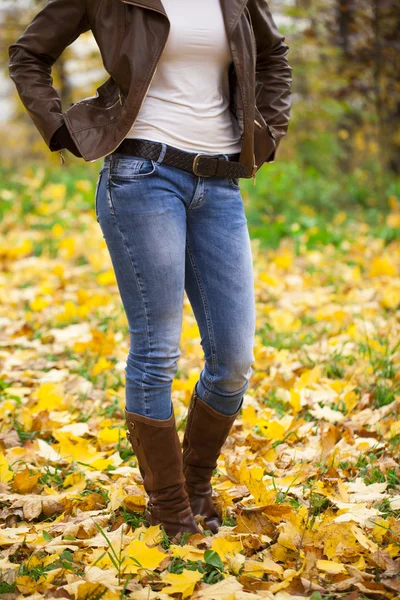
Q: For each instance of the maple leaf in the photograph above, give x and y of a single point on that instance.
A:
(138, 555)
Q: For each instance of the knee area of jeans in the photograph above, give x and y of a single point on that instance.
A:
(229, 390)
(227, 381)
(235, 378)
(236, 358)
(162, 368)
(223, 391)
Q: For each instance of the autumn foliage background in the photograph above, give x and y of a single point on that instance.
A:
(309, 481)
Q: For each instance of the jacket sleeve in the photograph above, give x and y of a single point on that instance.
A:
(273, 73)
(32, 56)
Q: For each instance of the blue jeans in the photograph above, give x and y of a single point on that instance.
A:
(167, 231)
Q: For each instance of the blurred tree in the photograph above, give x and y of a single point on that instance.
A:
(367, 33)
(346, 65)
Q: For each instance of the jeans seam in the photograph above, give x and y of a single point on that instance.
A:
(198, 195)
(96, 194)
(145, 308)
(108, 188)
(207, 314)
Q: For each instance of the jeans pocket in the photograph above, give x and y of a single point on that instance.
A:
(131, 167)
(234, 182)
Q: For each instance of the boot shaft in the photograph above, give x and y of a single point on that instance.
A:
(159, 454)
(206, 432)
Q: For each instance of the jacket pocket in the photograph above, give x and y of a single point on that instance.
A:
(264, 140)
(86, 115)
(102, 109)
(108, 95)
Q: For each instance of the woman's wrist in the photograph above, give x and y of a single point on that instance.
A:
(62, 139)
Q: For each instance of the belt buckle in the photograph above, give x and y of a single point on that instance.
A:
(196, 162)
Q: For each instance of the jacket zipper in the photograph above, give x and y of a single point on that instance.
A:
(253, 38)
(151, 80)
(254, 170)
(116, 102)
(244, 124)
(254, 156)
(106, 107)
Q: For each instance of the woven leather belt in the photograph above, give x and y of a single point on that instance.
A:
(204, 165)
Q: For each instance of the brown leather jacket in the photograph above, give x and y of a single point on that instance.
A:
(131, 35)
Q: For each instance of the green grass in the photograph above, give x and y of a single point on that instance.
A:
(289, 199)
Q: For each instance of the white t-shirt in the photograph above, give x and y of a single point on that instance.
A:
(187, 104)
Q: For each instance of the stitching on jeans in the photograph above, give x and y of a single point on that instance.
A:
(145, 308)
(207, 314)
(96, 195)
(109, 199)
(198, 196)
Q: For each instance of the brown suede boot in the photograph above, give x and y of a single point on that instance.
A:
(205, 434)
(159, 454)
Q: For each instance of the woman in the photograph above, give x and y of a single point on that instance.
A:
(198, 96)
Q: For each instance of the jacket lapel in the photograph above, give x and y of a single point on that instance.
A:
(151, 4)
(231, 9)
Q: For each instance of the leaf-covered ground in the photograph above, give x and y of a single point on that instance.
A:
(308, 482)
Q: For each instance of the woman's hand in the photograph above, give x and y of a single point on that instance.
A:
(62, 139)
